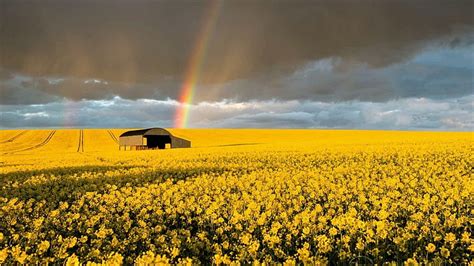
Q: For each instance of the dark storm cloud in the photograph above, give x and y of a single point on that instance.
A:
(437, 72)
(144, 42)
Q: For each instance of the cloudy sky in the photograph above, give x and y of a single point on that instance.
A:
(369, 64)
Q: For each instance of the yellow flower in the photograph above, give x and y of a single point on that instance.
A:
(72, 260)
(383, 215)
(115, 259)
(289, 262)
(450, 237)
(444, 252)
(304, 254)
(174, 252)
(225, 244)
(54, 213)
(19, 255)
(245, 239)
(425, 229)
(43, 246)
(306, 230)
(466, 237)
(102, 233)
(147, 258)
(360, 245)
(253, 248)
(218, 259)
(71, 242)
(324, 244)
(3, 255)
(346, 239)
(38, 222)
(434, 218)
(411, 262)
(471, 248)
(430, 248)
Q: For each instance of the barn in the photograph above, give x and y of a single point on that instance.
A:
(151, 138)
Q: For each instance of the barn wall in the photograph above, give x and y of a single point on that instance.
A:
(180, 143)
(131, 140)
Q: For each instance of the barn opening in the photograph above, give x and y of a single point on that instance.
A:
(151, 138)
(159, 142)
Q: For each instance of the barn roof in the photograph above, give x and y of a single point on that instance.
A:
(147, 131)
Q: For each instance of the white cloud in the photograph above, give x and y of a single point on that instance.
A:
(55, 81)
(29, 116)
(325, 65)
(95, 81)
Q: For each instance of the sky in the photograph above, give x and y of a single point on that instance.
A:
(362, 64)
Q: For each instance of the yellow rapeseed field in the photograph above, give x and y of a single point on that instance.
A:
(237, 197)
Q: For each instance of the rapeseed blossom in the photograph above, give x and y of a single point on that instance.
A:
(430, 248)
(314, 198)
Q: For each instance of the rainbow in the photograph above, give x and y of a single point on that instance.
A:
(194, 66)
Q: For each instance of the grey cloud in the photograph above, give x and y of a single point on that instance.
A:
(115, 112)
(271, 120)
(20, 89)
(431, 74)
(408, 113)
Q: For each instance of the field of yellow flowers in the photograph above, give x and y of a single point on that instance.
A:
(238, 196)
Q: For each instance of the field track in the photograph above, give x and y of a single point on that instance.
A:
(45, 141)
(113, 136)
(80, 145)
(14, 137)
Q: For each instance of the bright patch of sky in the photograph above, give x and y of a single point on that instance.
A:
(458, 57)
